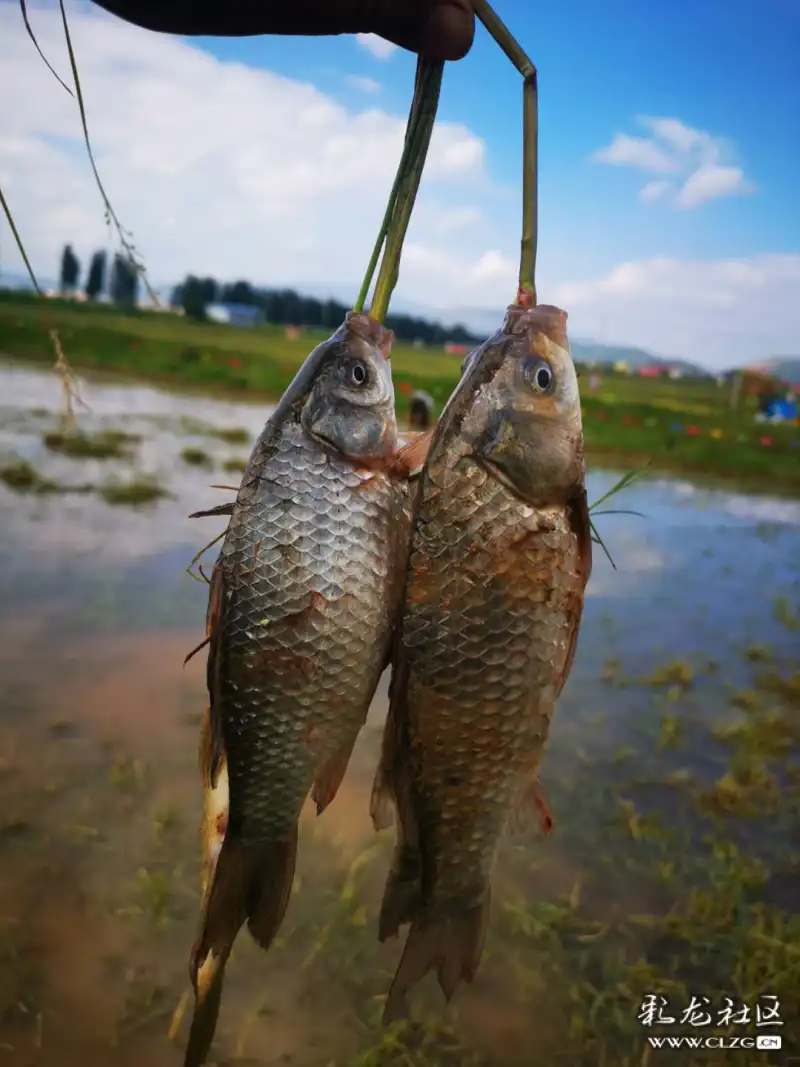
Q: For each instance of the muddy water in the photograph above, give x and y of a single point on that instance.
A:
(99, 792)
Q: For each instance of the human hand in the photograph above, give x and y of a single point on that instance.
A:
(435, 29)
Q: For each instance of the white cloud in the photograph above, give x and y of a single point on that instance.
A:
(626, 151)
(718, 312)
(376, 46)
(492, 276)
(365, 85)
(710, 181)
(697, 157)
(449, 220)
(654, 190)
(217, 168)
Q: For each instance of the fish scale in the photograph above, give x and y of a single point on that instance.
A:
(448, 651)
(299, 620)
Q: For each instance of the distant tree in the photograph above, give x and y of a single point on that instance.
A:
(124, 285)
(209, 290)
(133, 284)
(190, 295)
(333, 314)
(286, 307)
(239, 293)
(95, 283)
(70, 270)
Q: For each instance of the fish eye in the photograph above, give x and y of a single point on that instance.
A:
(356, 373)
(539, 376)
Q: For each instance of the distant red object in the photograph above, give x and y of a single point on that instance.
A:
(405, 387)
(693, 431)
(766, 441)
(650, 372)
(626, 420)
(236, 363)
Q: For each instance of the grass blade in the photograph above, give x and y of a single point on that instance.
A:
(111, 216)
(23, 6)
(20, 245)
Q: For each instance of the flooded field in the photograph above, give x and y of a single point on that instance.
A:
(673, 775)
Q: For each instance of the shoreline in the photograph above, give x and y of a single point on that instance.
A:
(599, 457)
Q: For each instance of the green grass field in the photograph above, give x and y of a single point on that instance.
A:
(673, 425)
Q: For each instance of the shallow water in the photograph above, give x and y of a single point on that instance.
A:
(99, 792)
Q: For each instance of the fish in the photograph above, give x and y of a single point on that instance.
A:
(500, 556)
(304, 597)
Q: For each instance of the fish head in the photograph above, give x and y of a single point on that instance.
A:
(525, 419)
(350, 402)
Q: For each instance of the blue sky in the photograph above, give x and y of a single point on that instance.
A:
(731, 68)
(669, 156)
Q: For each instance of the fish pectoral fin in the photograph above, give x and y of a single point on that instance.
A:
(212, 745)
(453, 945)
(252, 884)
(326, 785)
(531, 810)
(219, 510)
(381, 804)
(409, 460)
(392, 763)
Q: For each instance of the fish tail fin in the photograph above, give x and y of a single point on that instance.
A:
(401, 897)
(251, 884)
(452, 946)
(208, 994)
(272, 888)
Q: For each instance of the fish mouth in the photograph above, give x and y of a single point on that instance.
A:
(381, 452)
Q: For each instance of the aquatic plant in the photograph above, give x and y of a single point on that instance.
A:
(196, 457)
(106, 444)
(137, 491)
(22, 477)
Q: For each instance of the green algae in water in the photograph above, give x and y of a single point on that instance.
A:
(22, 477)
(232, 435)
(107, 444)
(138, 491)
(196, 457)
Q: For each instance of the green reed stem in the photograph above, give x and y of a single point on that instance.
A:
(413, 118)
(428, 87)
(530, 147)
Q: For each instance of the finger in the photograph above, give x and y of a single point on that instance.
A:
(438, 29)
